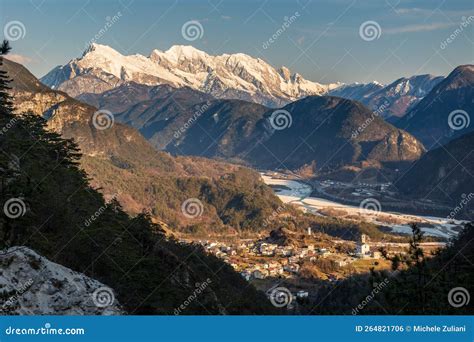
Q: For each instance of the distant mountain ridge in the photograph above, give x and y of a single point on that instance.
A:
(445, 112)
(394, 100)
(227, 76)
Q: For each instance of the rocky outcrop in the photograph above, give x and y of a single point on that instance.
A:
(33, 285)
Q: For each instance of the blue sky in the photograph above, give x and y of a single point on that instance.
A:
(322, 42)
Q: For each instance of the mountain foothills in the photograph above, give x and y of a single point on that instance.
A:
(238, 75)
(53, 210)
(443, 174)
(168, 99)
(329, 133)
(158, 112)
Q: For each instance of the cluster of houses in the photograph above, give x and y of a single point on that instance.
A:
(283, 261)
(280, 261)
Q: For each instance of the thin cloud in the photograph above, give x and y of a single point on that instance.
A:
(416, 11)
(418, 28)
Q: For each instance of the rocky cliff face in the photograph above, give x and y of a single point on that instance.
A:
(33, 285)
(225, 76)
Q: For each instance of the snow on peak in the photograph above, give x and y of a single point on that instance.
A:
(240, 75)
(100, 49)
(185, 51)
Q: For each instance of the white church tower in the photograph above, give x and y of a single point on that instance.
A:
(362, 249)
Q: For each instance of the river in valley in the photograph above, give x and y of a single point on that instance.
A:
(298, 193)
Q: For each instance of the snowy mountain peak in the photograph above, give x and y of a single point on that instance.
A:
(100, 49)
(236, 75)
(184, 51)
(285, 73)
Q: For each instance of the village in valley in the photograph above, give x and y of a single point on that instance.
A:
(259, 260)
(267, 264)
(304, 260)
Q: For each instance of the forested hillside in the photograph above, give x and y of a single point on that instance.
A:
(50, 207)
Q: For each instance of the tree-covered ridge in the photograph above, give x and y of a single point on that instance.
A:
(234, 200)
(58, 214)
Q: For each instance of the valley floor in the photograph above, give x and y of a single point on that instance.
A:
(370, 210)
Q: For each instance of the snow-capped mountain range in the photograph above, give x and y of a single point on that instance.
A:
(393, 100)
(235, 76)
